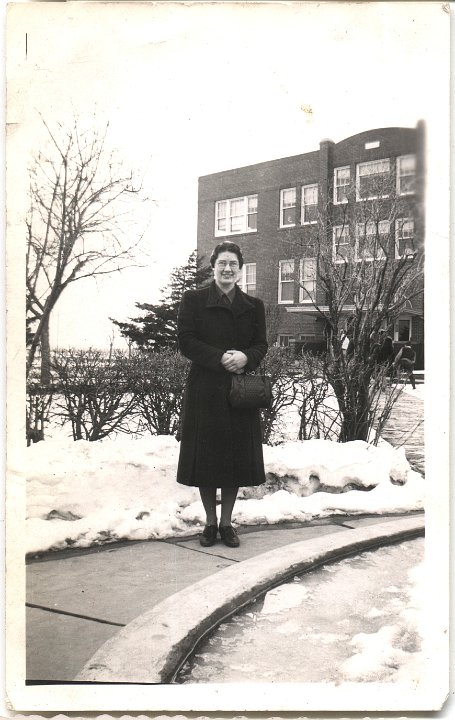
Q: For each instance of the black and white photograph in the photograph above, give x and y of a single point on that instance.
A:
(228, 376)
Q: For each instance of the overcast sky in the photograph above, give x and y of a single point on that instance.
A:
(195, 89)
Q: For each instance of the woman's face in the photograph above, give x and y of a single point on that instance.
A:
(226, 270)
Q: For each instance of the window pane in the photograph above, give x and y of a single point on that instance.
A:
(250, 273)
(342, 181)
(221, 209)
(283, 340)
(374, 168)
(287, 270)
(288, 216)
(407, 164)
(289, 197)
(287, 291)
(310, 213)
(404, 237)
(310, 195)
(373, 177)
(342, 193)
(404, 327)
(236, 224)
(309, 203)
(308, 293)
(342, 175)
(253, 204)
(342, 249)
(252, 222)
(288, 207)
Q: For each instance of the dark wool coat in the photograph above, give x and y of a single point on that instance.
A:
(220, 446)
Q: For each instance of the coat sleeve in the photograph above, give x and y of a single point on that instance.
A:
(258, 348)
(189, 344)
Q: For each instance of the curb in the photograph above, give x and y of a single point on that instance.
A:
(152, 648)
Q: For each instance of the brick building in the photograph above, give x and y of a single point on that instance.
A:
(273, 209)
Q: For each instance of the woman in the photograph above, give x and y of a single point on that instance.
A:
(222, 331)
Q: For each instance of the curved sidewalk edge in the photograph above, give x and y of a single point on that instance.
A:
(151, 648)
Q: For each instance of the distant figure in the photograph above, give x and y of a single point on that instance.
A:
(386, 353)
(347, 341)
(376, 341)
(405, 361)
(382, 358)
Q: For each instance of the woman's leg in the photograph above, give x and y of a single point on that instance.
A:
(227, 533)
(228, 498)
(208, 497)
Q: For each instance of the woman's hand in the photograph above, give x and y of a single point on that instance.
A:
(234, 361)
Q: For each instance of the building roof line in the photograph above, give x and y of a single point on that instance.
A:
(306, 155)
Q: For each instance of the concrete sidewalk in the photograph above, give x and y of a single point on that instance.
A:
(77, 600)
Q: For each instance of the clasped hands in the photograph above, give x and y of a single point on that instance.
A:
(234, 361)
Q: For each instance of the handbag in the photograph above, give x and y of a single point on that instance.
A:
(250, 392)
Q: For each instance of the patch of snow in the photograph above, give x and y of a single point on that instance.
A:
(81, 493)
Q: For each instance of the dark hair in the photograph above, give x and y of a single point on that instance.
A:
(226, 246)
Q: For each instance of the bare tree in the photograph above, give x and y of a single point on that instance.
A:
(80, 198)
(367, 268)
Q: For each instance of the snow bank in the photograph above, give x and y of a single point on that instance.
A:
(81, 494)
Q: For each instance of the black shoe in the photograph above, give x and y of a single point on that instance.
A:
(208, 537)
(229, 536)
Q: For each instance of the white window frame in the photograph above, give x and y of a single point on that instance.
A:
(337, 185)
(303, 205)
(395, 328)
(243, 282)
(400, 175)
(344, 232)
(284, 207)
(399, 225)
(282, 282)
(361, 226)
(309, 279)
(228, 216)
(284, 335)
(374, 163)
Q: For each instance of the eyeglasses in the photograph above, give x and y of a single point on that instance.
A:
(223, 264)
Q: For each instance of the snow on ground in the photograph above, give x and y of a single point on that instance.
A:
(81, 494)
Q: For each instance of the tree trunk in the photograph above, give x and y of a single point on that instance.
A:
(45, 355)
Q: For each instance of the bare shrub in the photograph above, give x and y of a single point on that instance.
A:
(279, 365)
(93, 393)
(158, 382)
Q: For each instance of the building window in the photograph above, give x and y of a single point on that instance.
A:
(238, 215)
(248, 280)
(373, 180)
(288, 207)
(372, 239)
(404, 237)
(342, 249)
(285, 340)
(371, 145)
(341, 182)
(309, 204)
(406, 169)
(403, 330)
(286, 281)
(307, 293)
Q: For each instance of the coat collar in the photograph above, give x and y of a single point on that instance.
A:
(240, 304)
